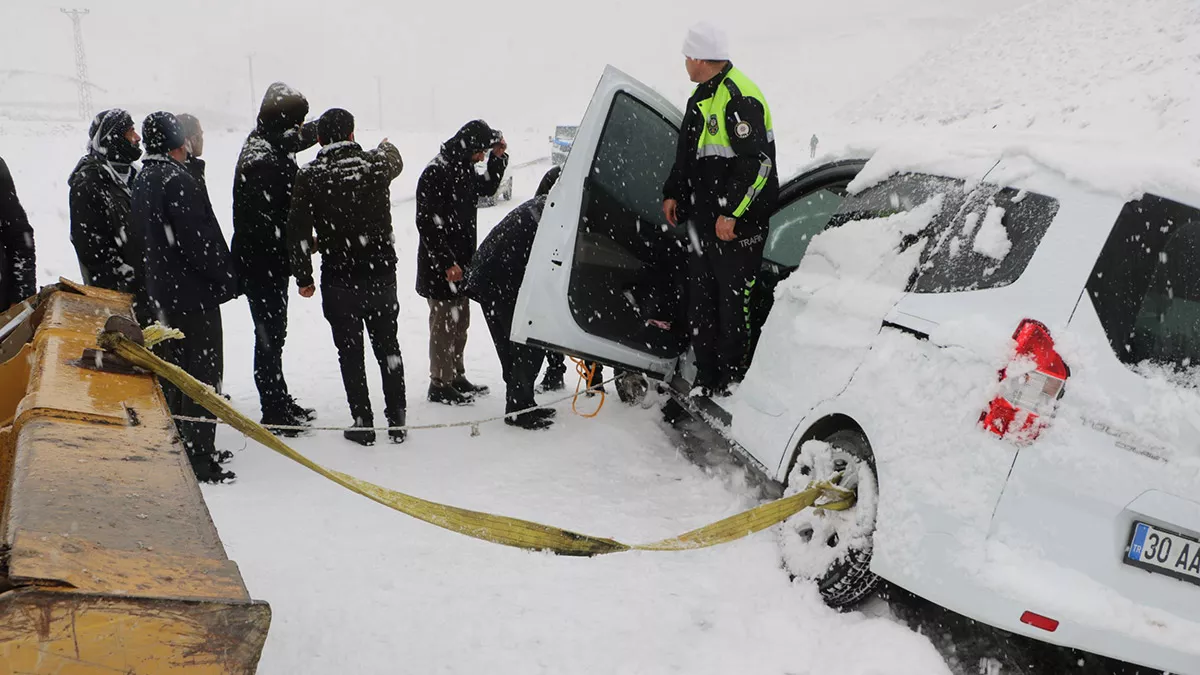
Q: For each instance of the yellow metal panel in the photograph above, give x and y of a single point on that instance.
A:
(91, 568)
(14, 380)
(64, 633)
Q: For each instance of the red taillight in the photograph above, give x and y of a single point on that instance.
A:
(1026, 401)
(1038, 621)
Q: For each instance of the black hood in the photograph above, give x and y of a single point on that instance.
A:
(282, 110)
(475, 136)
(106, 137)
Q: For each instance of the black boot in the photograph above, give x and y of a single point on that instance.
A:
(464, 386)
(529, 420)
(396, 419)
(297, 411)
(364, 437)
(207, 470)
(544, 413)
(447, 394)
(552, 382)
(279, 416)
(224, 456)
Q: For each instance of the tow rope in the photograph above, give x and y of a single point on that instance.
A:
(497, 529)
(586, 375)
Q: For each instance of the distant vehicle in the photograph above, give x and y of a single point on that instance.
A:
(1001, 358)
(560, 143)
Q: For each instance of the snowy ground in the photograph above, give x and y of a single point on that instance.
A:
(358, 588)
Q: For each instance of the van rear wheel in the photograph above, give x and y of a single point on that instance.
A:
(833, 548)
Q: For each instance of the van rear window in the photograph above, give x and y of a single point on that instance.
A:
(983, 238)
(1146, 284)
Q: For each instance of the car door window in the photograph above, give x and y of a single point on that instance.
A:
(1145, 285)
(628, 262)
(794, 226)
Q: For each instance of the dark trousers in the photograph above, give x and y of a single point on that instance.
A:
(518, 362)
(721, 277)
(378, 309)
(448, 324)
(556, 364)
(200, 354)
(269, 310)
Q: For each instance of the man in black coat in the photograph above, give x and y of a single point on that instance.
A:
(189, 275)
(18, 264)
(262, 197)
(447, 194)
(493, 280)
(110, 251)
(345, 196)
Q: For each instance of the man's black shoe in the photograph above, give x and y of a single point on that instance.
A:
(464, 386)
(284, 420)
(552, 382)
(364, 437)
(397, 420)
(223, 456)
(529, 421)
(544, 413)
(447, 394)
(292, 407)
(208, 471)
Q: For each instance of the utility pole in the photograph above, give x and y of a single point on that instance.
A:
(379, 96)
(81, 70)
(253, 90)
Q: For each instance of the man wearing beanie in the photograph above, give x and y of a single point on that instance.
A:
(723, 186)
(262, 197)
(110, 252)
(345, 196)
(189, 275)
(447, 194)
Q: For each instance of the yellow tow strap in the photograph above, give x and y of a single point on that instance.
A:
(486, 526)
(587, 374)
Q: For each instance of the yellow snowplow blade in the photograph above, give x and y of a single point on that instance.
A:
(109, 560)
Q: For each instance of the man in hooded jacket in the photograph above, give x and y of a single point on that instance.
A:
(110, 251)
(262, 198)
(18, 269)
(189, 275)
(448, 192)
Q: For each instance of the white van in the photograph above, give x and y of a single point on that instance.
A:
(1000, 357)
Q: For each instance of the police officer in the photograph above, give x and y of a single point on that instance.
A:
(723, 186)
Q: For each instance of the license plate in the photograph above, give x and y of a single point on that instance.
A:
(1164, 552)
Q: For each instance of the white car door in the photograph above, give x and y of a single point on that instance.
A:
(605, 262)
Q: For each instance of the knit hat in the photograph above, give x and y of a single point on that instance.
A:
(706, 42)
(162, 133)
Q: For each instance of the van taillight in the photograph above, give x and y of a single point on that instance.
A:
(1026, 401)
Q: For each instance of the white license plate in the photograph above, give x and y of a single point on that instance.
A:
(1164, 552)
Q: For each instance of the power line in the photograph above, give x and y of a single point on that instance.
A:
(81, 69)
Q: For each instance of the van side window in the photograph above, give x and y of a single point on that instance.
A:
(1146, 284)
(988, 243)
(794, 226)
(628, 264)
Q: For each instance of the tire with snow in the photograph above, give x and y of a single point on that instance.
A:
(833, 548)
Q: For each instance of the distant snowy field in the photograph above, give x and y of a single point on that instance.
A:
(358, 588)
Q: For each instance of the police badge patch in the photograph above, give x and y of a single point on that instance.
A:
(714, 127)
(742, 130)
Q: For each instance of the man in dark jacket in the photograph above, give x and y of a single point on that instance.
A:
(110, 251)
(345, 196)
(18, 268)
(195, 146)
(189, 274)
(262, 197)
(447, 194)
(493, 280)
(723, 186)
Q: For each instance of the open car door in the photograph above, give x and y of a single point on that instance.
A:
(606, 272)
